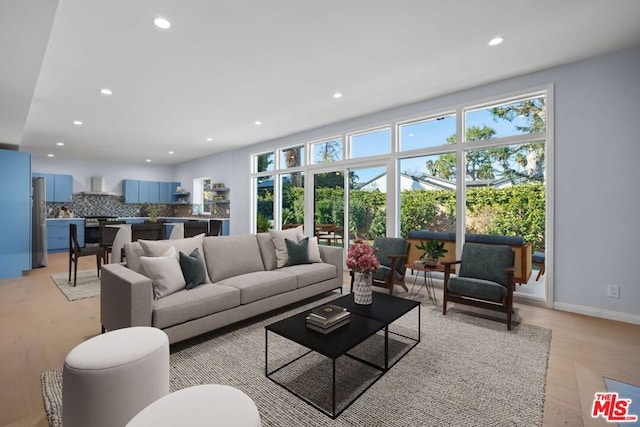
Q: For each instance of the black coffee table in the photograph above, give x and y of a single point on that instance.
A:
(365, 322)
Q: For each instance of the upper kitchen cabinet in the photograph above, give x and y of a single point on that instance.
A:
(135, 191)
(15, 215)
(165, 192)
(131, 190)
(58, 188)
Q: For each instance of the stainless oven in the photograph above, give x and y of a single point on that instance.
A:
(92, 229)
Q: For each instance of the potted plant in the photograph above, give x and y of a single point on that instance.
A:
(432, 251)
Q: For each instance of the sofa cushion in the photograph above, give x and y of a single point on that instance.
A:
(186, 305)
(260, 285)
(193, 270)
(309, 274)
(267, 251)
(229, 256)
(477, 288)
(132, 252)
(156, 247)
(314, 249)
(298, 251)
(277, 237)
(165, 273)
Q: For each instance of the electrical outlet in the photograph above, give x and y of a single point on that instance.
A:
(613, 291)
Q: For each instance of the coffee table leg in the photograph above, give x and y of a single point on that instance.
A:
(333, 386)
(266, 352)
(386, 348)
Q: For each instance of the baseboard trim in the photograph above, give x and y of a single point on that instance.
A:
(598, 312)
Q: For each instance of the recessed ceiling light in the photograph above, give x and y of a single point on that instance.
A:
(50, 155)
(106, 91)
(148, 160)
(257, 123)
(496, 41)
(59, 144)
(337, 95)
(162, 23)
(77, 122)
(170, 152)
(209, 139)
(410, 134)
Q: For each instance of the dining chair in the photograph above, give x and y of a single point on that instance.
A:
(147, 231)
(76, 252)
(107, 236)
(193, 228)
(215, 227)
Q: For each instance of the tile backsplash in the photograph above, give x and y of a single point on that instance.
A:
(84, 205)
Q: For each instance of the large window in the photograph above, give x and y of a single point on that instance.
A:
(409, 174)
(370, 143)
(524, 116)
(327, 151)
(428, 193)
(367, 203)
(427, 133)
(263, 186)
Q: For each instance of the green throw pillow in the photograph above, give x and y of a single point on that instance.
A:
(192, 269)
(298, 251)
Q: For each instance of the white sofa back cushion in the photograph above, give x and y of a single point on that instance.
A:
(159, 247)
(267, 250)
(165, 273)
(277, 237)
(229, 256)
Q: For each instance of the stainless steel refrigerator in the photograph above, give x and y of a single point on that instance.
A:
(39, 224)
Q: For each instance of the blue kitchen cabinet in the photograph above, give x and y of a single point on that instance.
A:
(143, 188)
(131, 190)
(154, 192)
(58, 187)
(58, 233)
(62, 188)
(15, 214)
(165, 192)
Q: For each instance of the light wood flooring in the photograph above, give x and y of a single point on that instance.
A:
(38, 327)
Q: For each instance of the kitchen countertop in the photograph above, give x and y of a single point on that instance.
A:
(65, 219)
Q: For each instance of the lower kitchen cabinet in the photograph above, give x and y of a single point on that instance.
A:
(58, 233)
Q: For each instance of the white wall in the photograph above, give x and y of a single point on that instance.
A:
(597, 153)
(113, 173)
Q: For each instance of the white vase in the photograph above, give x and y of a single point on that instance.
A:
(362, 292)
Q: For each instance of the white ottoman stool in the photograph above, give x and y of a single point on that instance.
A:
(201, 405)
(108, 379)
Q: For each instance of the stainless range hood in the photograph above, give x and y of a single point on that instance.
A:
(97, 187)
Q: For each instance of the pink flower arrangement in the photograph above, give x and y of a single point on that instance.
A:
(361, 258)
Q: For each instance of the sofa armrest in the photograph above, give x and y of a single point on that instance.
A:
(333, 255)
(126, 298)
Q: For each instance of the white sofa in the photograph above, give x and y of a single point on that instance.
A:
(245, 282)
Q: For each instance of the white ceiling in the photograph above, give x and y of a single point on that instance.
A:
(227, 63)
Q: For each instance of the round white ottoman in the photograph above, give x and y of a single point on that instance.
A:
(108, 379)
(201, 405)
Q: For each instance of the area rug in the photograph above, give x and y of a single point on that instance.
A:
(87, 284)
(466, 371)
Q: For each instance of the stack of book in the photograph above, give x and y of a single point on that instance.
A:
(327, 318)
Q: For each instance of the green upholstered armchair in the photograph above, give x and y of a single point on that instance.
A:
(485, 279)
(392, 252)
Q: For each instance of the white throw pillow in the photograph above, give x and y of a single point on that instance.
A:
(277, 237)
(158, 247)
(165, 273)
(314, 249)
